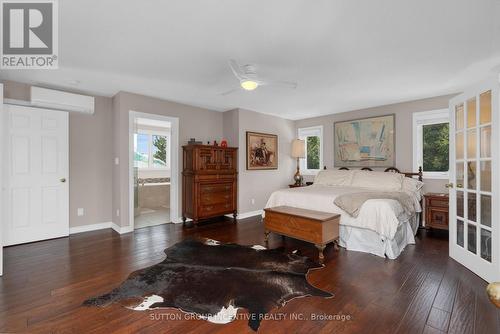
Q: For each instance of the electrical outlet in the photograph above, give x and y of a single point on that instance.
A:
(252, 201)
(118, 212)
(117, 161)
(79, 212)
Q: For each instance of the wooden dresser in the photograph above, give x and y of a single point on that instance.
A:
(436, 210)
(209, 181)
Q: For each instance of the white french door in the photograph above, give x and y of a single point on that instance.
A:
(36, 192)
(474, 177)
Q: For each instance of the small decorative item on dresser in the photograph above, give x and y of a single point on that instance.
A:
(193, 141)
(436, 210)
(223, 143)
(215, 143)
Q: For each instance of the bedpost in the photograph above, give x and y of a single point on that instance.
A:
(420, 174)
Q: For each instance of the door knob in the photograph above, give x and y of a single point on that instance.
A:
(63, 180)
(449, 185)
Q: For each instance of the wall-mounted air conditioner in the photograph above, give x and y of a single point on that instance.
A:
(55, 99)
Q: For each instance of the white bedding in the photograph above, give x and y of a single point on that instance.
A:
(383, 216)
(362, 240)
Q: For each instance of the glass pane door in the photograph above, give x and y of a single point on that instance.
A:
(473, 228)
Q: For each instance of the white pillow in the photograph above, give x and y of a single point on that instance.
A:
(378, 180)
(334, 177)
(410, 184)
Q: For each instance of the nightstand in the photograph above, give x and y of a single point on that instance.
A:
(436, 210)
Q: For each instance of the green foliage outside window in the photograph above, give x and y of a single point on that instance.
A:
(313, 152)
(160, 151)
(436, 147)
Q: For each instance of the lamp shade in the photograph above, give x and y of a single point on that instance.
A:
(298, 148)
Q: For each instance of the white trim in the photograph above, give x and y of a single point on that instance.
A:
(245, 215)
(174, 167)
(302, 133)
(88, 228)
(2, 134)
(122, 229)
(419, 120)
(179, 220)
(101, 226)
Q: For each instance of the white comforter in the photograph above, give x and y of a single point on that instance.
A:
(380, 215)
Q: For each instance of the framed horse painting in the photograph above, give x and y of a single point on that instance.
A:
(262, 151)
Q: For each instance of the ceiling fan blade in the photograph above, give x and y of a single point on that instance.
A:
(236, 68)
(286, 84)
(229, 91)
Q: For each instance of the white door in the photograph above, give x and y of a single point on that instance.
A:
(474, 177)
(36, 196)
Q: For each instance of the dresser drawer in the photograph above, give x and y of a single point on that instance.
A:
(216, 197)
(438, 202)
(437, 218)
(215, 188)
(213, 209)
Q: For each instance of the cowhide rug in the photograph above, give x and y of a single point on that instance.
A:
(213, 280)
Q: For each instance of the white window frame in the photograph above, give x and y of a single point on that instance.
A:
(150, 134)
(419, 120)
(312, 131)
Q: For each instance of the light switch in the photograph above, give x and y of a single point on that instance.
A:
(79, 212)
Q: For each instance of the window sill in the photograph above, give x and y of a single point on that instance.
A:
(152, 169)
(436, 176)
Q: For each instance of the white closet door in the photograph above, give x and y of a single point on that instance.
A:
(474, 177)
(36, 192)
(2, 154)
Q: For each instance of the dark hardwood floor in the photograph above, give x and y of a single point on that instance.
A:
(423, 291)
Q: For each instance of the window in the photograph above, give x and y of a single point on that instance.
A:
(151, 150)
(313, 137)
(431, 143)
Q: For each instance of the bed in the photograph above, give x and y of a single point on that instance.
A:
(382, 226)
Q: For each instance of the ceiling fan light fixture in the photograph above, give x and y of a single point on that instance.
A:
(249, 84)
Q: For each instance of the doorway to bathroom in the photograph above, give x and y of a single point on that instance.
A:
(154, 169)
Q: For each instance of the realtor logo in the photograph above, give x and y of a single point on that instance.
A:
(29, 34)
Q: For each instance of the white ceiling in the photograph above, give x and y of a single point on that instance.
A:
(344, 55)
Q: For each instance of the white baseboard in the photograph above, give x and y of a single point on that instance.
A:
(128, 229)
(179, 220)
(250, 214)
(100, 226)
(88, 228)
(122, 229)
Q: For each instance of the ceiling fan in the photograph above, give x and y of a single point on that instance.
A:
(249, 80)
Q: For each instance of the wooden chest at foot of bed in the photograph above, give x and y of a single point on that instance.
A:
(319, 228)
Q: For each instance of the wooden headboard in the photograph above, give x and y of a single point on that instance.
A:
(419, 174)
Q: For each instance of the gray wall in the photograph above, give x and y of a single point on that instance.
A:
(259, 184)
(404, 128)
(231, 127)
(90, 164)
(90, 158)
